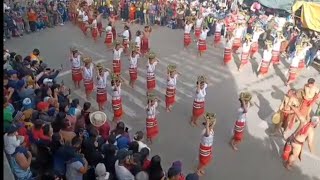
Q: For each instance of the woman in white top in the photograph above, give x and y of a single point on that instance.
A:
(102, 80)
(245, 52)
(202, 44)
(276, 48)
(199, 100)
(109, 37)
(151, 68)
(151, 121)
(239, 31)
(295, 60)
(94, 28)
(255, 38)
(87, 70)
(171, 87)
(228, 49)
(187, 36)
(75, 60)
(117, 51)
(126, 39)
(266, 58)
(217, 33)
(116, 97)
(133, 67)
(305, 47)
(85, 24)
(198, 27)
(137, 41)
(206, 143)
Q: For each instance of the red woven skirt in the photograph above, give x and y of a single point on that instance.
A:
(152, 128)
(227, 55)
(238, 131)
(292, 73)
(151, 82)
(101, 95)
(197, 32)
(264, 67)
(84, 28)
(114, 33)
(94, 33)
(244, 58)
(254, 48)
(117, 108)
(99, 25)
(198, 108)
(170, 97)
(125, 44)
(108, 39)
(275, 57)
(301, 64)
(187, 39)
(144, 45)
(88, 85)
(205, 155)
(202, 45)
(133, 72)
(116, 66)
(76, 74)
(217, 37)
(236, 44)
(286, 151)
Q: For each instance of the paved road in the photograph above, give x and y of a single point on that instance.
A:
(258, 157)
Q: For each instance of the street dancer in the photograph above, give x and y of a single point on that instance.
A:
(199, 100)
(202, 43)
(276, 48)
(116, 97)
(255, 40)
(133, 67)
(75, 60)
(151, 121)
(295, 59)
(151, 68)
(245, 55)
(266, 58)
(102, 80)
(94, 28)
(117, 51)
(227, 55)
(109, 37)
(187, 37)
(198, 26)
(145, 45)
(310, 95)
(88, 76)
(217, 33)
(171, 86)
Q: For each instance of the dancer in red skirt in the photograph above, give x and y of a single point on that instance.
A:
(99, 23)
(295, 60)
(276, 48)
(80, 15)
(306, 45)
(187, 36)
(145, 46)
(255, 40)
(206, 144)
(126, 37)
(199, 100)
(198, 27)
(239, 125)
(133, 67)
(202, 43)
(85, 24)
(102, 80)
(227, 57)
(137, 41)
(151, 68)
(151, 121)
(116, 97)
(109, 37)
(217, 33)
(117, 51)
(87, 70)
(245, 55)
(238, 37)
(266, 58)
(75, 60)
(112, 21)
(171, 87)
(94, 28)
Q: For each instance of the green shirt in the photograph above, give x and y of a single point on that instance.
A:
(7, 118)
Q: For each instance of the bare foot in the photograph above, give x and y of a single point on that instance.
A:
(233, 146)
(287, 166)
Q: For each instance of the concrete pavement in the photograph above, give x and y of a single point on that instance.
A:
(258, 157)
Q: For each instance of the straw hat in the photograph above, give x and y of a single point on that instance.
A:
(268, 42)
(114, 77)
(73, 49)
(99, 66)
(172, 68)
(151, 55)
(151, 96)
(116, 43)
(87, 60)
(248, 37)
(98, 118)
(246, 96)
(202, 79)
(211, 117)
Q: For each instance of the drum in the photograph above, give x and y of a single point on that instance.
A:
(276, 118)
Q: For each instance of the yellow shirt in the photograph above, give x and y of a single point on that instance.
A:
(34, 58)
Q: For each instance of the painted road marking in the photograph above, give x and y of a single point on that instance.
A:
(89, 50)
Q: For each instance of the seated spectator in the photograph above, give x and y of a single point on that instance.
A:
(12, 140)
(20, 163)
(122, 164)
(7, 114)
(38, 133)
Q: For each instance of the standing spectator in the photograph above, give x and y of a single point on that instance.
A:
(32, 18)
(155, 170)
(12, 140)
(122, 164)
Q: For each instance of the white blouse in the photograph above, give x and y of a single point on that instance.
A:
(203, 35)
(228, 44)
(116, 91)
(151, 68)
(102, 81)
(151, 111)
(138, 41)
(126, 35)
(88, 72)
(246, 47)
(188, 28)
(239, 32)
(134, 61)
(117, 54)
(172, 82)
(85, 18)
(94, 23)
(76, 62)
(219, 27)
(267, 55)
(207, 141)
(200, 96)
(276, 45)
(199, 22)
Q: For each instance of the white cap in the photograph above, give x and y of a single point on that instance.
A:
(108, 28)
(47, 80)
(101, 172)
(26, 101)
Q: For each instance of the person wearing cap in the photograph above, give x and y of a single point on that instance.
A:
(87, 71)
(126, 37)
(217, 34)
(42, 113)
(75, 60)
(11, 139)
(305, 132)
(151, 68)
(174, 173)
(116, 97)
(245, 54)
(121, 165)
(172, 75)
(276, 48)
(145, 40)
(117, 51)
(199, 100)
(177, 166)
(293, 69)
(151, 121)
(109, 36)
(187, 37)
(102, 80)
(239, 125)
(202, 42)
(206, 144)
(193, 176)
(133, 67)
(310, 95)
(266, 58)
